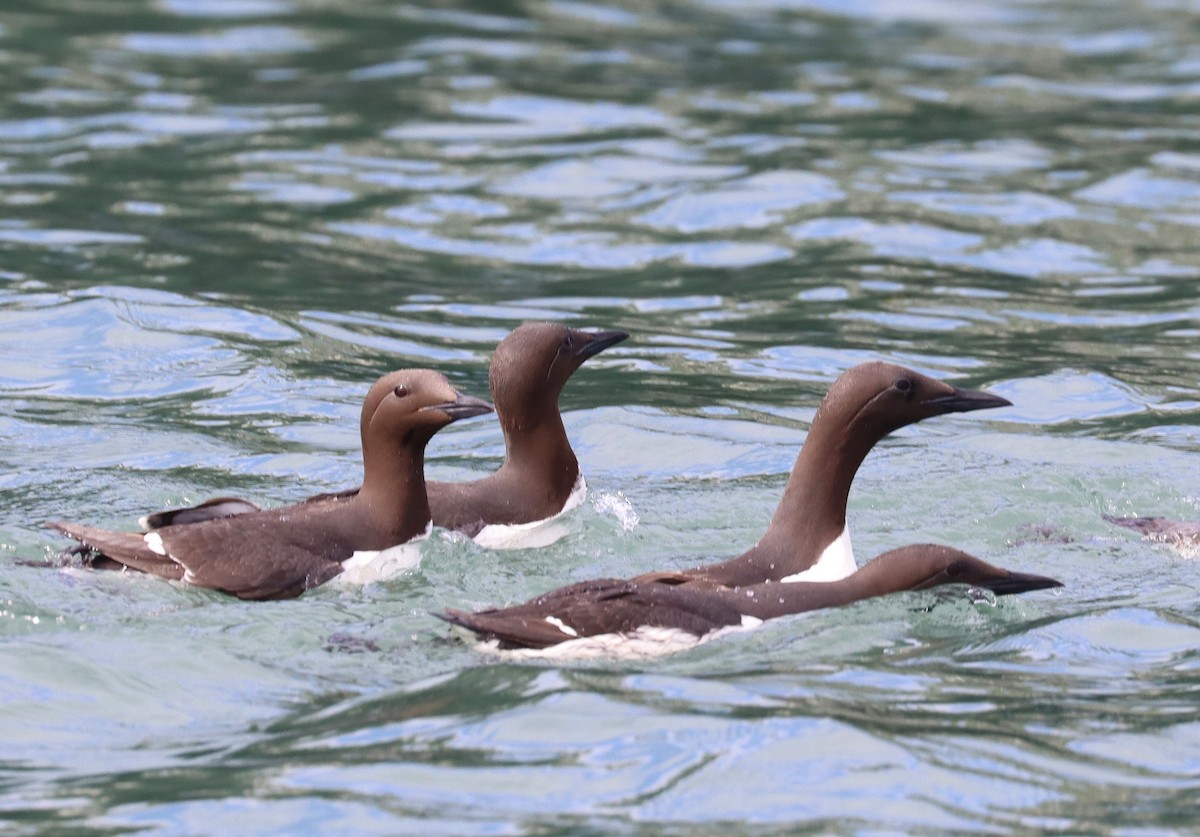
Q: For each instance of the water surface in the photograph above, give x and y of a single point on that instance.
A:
(220, 221)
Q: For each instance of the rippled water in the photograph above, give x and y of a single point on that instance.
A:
(221, 219)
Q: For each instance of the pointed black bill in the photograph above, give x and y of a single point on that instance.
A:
(465, 406)
(600, 340)
(966, 400)
(1020, 583)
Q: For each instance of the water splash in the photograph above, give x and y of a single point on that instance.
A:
(616, 504)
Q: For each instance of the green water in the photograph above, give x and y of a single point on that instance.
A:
(220, 221)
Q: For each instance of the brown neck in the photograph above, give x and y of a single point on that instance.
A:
(812, 513)
(814, 500)
(393, 490)
(772, 600)
(539, 446)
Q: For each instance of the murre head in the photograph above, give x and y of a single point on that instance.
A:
(401, 413)
(414, 401)
(865, 403)
(925, 565)
(531, 365)
(876, 398)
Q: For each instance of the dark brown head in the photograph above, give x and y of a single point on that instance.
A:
(877, 398)
(926, 565)
(401, 413)
(863, 405)
(413, 403)
(532, 364)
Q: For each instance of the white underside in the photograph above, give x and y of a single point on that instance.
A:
(644, 642)
(533, 535)
(836, 562)
(366, 566)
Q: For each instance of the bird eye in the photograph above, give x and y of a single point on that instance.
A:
(954, 569)
(401, 391)
(905, 387)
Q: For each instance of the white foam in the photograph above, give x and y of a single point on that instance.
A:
(366, 566)
(536, 534)
(835, 563)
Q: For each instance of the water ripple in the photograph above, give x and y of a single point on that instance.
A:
(220, 221)
(236, 41)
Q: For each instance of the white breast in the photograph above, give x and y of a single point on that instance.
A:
(533, 535)
(379, 565)
(834, 564)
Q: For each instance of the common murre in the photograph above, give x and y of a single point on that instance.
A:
(280, 553)
(808, 539)
(540, 477)
(631, 617)
(1181, 533)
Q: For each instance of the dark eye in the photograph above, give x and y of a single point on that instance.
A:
(905, 387)
(954, 569)
(400, 391)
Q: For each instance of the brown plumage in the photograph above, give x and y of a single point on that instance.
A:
(528, 371)
(612, 606)
(279, 553)
(863, 405)
(1162, 529)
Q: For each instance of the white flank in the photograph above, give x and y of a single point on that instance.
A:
(154, 542)
(536, 534)
(562, 626)
(835, 563)
(644, 642)
(366, 566)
